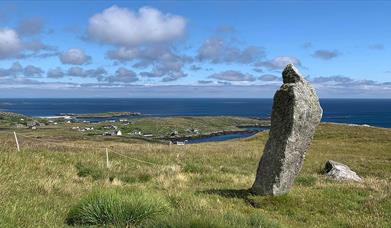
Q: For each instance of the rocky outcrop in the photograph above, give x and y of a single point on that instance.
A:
(296, 114)
(339, 171)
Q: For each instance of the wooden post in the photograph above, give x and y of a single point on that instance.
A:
(17, 143)
(107, 158)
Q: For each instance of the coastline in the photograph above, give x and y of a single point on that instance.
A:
(208, 135)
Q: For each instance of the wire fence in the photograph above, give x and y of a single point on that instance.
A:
(47, 142)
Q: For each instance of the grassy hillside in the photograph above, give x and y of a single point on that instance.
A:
(50, 182)
(182, 125)
(158, 127)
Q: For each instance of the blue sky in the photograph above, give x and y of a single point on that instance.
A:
(193, 49)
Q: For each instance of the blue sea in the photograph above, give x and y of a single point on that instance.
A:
(375, 112)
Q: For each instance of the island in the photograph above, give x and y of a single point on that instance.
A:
(101, 114)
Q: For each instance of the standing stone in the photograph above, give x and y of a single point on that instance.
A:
(296, 113)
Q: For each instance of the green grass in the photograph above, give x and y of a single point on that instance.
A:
(163, 127)
(8, 119)
(201, 185)
(116, 208)
(85, 170)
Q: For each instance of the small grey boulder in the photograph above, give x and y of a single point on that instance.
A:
(339, 171)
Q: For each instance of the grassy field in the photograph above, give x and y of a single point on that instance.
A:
(162, 127)
(58, 183)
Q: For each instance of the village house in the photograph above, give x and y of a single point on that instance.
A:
(113, 133)
(34, 124)
(111, 127)
(135, 133)
(87, 129)
(20, 126)
(193, 130)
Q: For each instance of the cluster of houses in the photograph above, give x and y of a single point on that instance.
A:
(139, 133)
(31, 125)
(83, 129)
(110, 130)
(114, 131)
(125, 122)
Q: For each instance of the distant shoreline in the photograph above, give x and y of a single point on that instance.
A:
(374, 112)
(101, 114)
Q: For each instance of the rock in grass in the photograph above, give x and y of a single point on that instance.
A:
(339, 171)
(296, 113)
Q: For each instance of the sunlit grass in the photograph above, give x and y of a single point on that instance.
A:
(128, 208)
(201, 184)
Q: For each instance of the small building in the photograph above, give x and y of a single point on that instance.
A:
(135, 133)
(193, 130)
(112, 133)
(112, 127)
(67, 117)
(180, 143)
(20, 125)
(86, 129)
(32, 124)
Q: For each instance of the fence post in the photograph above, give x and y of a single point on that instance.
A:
(107, 158)
(17, 143)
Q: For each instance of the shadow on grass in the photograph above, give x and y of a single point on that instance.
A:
(234, 193)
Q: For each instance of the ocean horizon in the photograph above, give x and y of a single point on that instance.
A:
(374, 112)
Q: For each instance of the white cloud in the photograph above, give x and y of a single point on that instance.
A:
(17, 70)
(32, 71)
(124, 54)
(268, 77)
(232, 75)
(74, 56)
(98, 73)
(217, 50)
(120, 26)
(10, 44)
(55, 73)
(161, 59)
(123, 75)
(326, 54)
(279, 63)
(30, 26)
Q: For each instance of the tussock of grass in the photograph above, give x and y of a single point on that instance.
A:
(210, 219)
(115, 208)
(85, 170)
